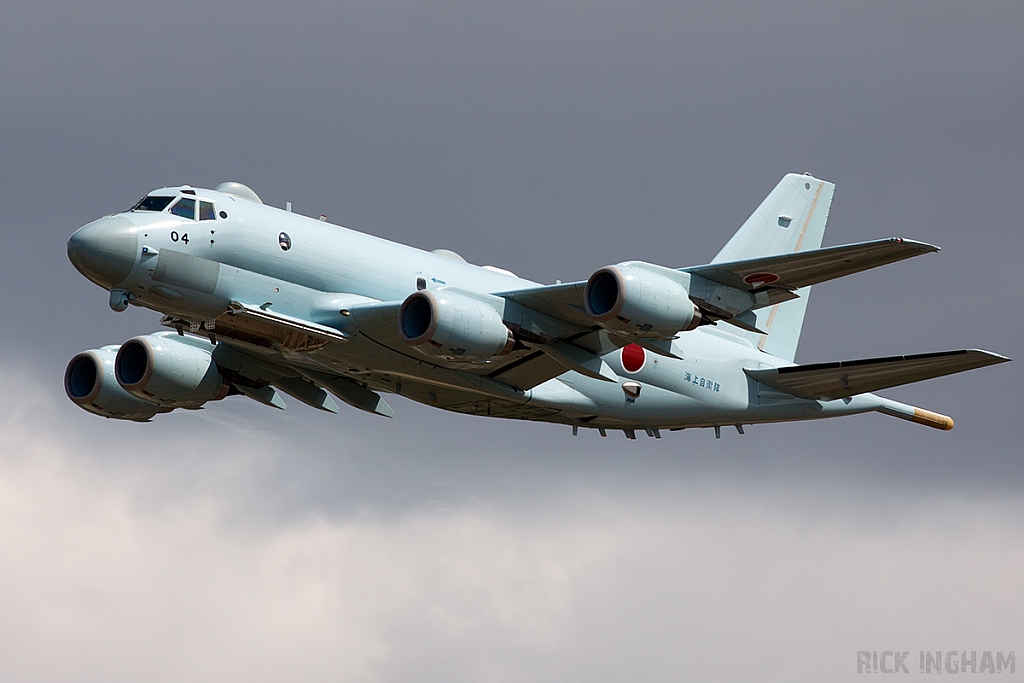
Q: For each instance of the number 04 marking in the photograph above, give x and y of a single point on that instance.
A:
(175, 237)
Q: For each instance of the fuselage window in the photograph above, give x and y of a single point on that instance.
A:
(186, 208)
(206, 211)
(153, 204)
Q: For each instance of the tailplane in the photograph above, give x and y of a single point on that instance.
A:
(790, 220)
(846, 379)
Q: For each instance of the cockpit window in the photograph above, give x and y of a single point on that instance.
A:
(206, 211)
(152, 203)
(186, 208)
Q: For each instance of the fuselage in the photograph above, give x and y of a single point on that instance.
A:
(236, 250)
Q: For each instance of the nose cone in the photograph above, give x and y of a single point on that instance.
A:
(105, 250)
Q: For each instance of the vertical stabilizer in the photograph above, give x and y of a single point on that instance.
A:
(791, 219)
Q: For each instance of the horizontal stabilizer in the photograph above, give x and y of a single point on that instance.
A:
(829, 381)
(805, 268)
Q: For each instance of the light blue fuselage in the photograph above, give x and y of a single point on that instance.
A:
(328, 268)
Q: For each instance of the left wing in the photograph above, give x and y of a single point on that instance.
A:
(783, 272)
(556, 334)
(805, 268)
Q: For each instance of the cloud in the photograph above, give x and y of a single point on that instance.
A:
(108, 574)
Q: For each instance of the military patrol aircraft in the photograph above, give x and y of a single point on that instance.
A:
(261, 301)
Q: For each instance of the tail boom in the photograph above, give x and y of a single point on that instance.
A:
(913, 414)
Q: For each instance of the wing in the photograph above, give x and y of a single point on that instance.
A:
(563, 302)
(556, 334)
(829, 381)
(802, 269)
(548, 346)
(261, 352)
(732, 291)
(785, 271)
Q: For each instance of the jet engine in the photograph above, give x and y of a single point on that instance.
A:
(90, 383)
(639, 303)
(171, 371)
(453, 325)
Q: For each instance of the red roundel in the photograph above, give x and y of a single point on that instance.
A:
(758, 279)
(633, 357)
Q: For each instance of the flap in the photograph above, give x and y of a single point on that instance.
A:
(286, 322)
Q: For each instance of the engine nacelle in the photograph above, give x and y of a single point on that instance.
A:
(90, 383)
(456, 326)
(639, 303)
(171, 371)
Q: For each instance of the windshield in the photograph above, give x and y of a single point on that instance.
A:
(152, 203)
(186, 208)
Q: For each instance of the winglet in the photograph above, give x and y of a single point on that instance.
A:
(918, 415)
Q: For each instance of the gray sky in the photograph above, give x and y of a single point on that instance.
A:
(550, 138)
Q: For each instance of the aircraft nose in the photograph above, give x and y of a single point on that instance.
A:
(105, 250)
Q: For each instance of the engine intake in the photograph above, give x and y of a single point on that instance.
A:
(169, 371)
(453, 325)
(639, 303)
(90, 383)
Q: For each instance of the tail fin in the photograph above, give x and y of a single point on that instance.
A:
(791, 219)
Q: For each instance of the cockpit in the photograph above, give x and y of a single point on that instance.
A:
(184, 207)
(152, 203)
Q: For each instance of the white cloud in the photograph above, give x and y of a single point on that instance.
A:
(108, 574)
